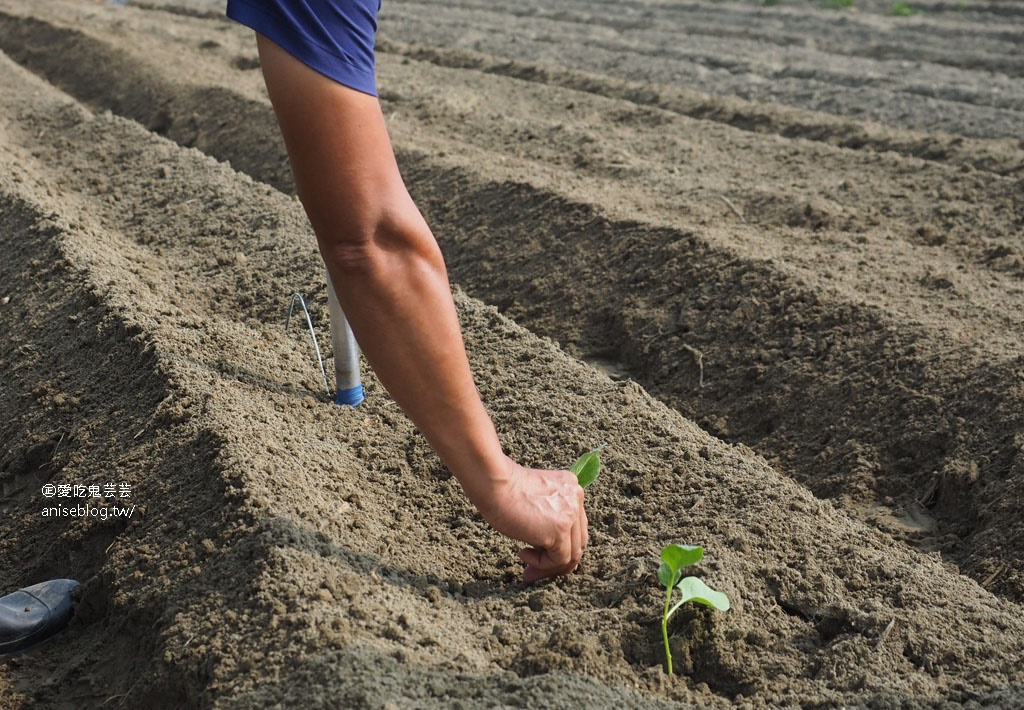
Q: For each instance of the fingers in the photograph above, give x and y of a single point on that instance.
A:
(532, 557)
(585, 523)
(576, 553)
(545, 510)
(540, 565)
(563, 557)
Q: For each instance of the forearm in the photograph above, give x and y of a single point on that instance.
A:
(384, 263)
(394, 290)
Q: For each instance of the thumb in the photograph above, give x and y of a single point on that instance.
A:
(531, 556)
(539, 564)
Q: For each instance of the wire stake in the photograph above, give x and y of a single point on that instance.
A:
(309, 321)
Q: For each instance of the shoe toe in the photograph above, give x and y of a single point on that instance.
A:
(31, 615)
(55, 594)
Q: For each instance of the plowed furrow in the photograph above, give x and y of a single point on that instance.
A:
(292, 552)
(301, 552)
(927, 97)
(862, 401)
(1004, 156)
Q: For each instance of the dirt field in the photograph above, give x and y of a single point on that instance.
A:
(771, 256)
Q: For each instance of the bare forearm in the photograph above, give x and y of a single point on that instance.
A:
(396, 295)
(384, 263)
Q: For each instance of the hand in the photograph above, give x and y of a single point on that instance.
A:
(543, 509)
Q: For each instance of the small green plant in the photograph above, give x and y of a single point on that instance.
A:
(673, 559)
(587, 467)
(836, 4)
(902, 9)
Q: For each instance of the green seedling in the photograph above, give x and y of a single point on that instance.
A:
(587, 467)
(836, 4)
(902, 9)
(673, 559)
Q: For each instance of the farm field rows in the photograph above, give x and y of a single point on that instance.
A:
(772, 257)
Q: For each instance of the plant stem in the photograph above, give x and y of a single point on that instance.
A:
(664, 629)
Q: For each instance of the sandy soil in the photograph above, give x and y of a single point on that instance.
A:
(773, 257)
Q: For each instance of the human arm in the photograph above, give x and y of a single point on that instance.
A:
(391, 281)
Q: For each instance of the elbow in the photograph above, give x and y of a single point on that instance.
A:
(388, 241)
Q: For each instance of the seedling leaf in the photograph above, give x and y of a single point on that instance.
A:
(902, 9)
(587, 467)
(694, 590)
(667, 576)
(679, 556)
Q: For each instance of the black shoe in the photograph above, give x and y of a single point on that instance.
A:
(32, 615)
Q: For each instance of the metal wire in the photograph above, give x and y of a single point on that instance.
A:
(309, 321)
